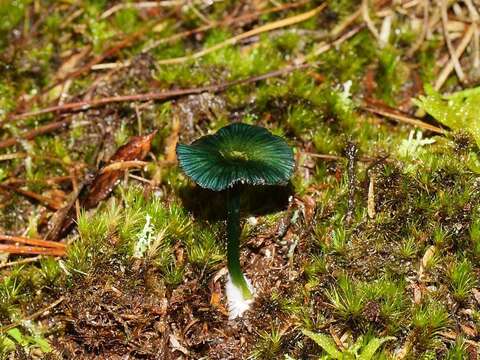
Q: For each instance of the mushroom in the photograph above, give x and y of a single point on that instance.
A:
(237, 154)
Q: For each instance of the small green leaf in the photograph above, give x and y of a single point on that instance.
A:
(372, 347)
(237, 153)
(42, 344)
(16, 335)
(325, 343)
(458, 111)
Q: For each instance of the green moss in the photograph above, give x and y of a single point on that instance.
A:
(350, 61)
(203, 247)
(99, 31)
(459, 350)
(346, 299)
(429, 319)
(391, 75)
(268, 345)
(127, 20)
(457, 111)
(11, 292)
(184, 75)
(7, 98)
(343, 8)
(425, 192)
(94, 231)
(427, 60)
(11, 13)
(462, 278)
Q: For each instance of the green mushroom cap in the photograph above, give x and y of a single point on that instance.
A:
(237, 153)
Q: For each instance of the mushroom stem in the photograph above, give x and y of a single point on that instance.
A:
(233, 247)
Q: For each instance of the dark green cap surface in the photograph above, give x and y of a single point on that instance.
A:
(237, 153)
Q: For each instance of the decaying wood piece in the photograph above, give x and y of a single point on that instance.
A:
(105, 181)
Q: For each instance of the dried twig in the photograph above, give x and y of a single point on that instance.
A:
(49, 203)
(368, 21)
(165, 95)
(235, 39)
(448, 41)
(446, 71)
(371, 197)
(418, 43)
(31, 241)
(228, 21)
(139, 5)
(30, 134)
(50, 181)
(329, 157)
(124, 165)
(403, 118)
(17, 155)
(327, 46)
(475, 17)
(31, 250)
(339, 29)
(128, 41)
(33, 316)
(20, 262)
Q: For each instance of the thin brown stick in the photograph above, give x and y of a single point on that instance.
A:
(138, 5)
(20, 262)
(18, 155)
(329, 157)
(31, 241)
(97, 59)
(339, 29)
(235, 39)
(123, 165)
(326, 46)
(226, 22)
(475, 17)
(33, 316)
(49, 203)
(31, 250)
(30, 134)
(448, 41)
(368, 21)
(166, 95)
(324, 156)
(418, 43)
(447, 70)
(49, 181)
(405, 119)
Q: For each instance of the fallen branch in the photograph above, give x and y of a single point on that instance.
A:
(128, 41)
(165, 95)
(447, 70)
(233, 40)
(31, 250)
(328, 157)
(31, 241)
(49, 203)
(453, 54)
(50, 181)
(33, 316)
(124, 165)
(20, 262)
(30, 134)
(226, 22)
(404, 118)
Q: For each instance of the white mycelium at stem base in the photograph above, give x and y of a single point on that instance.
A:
(237, 304)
